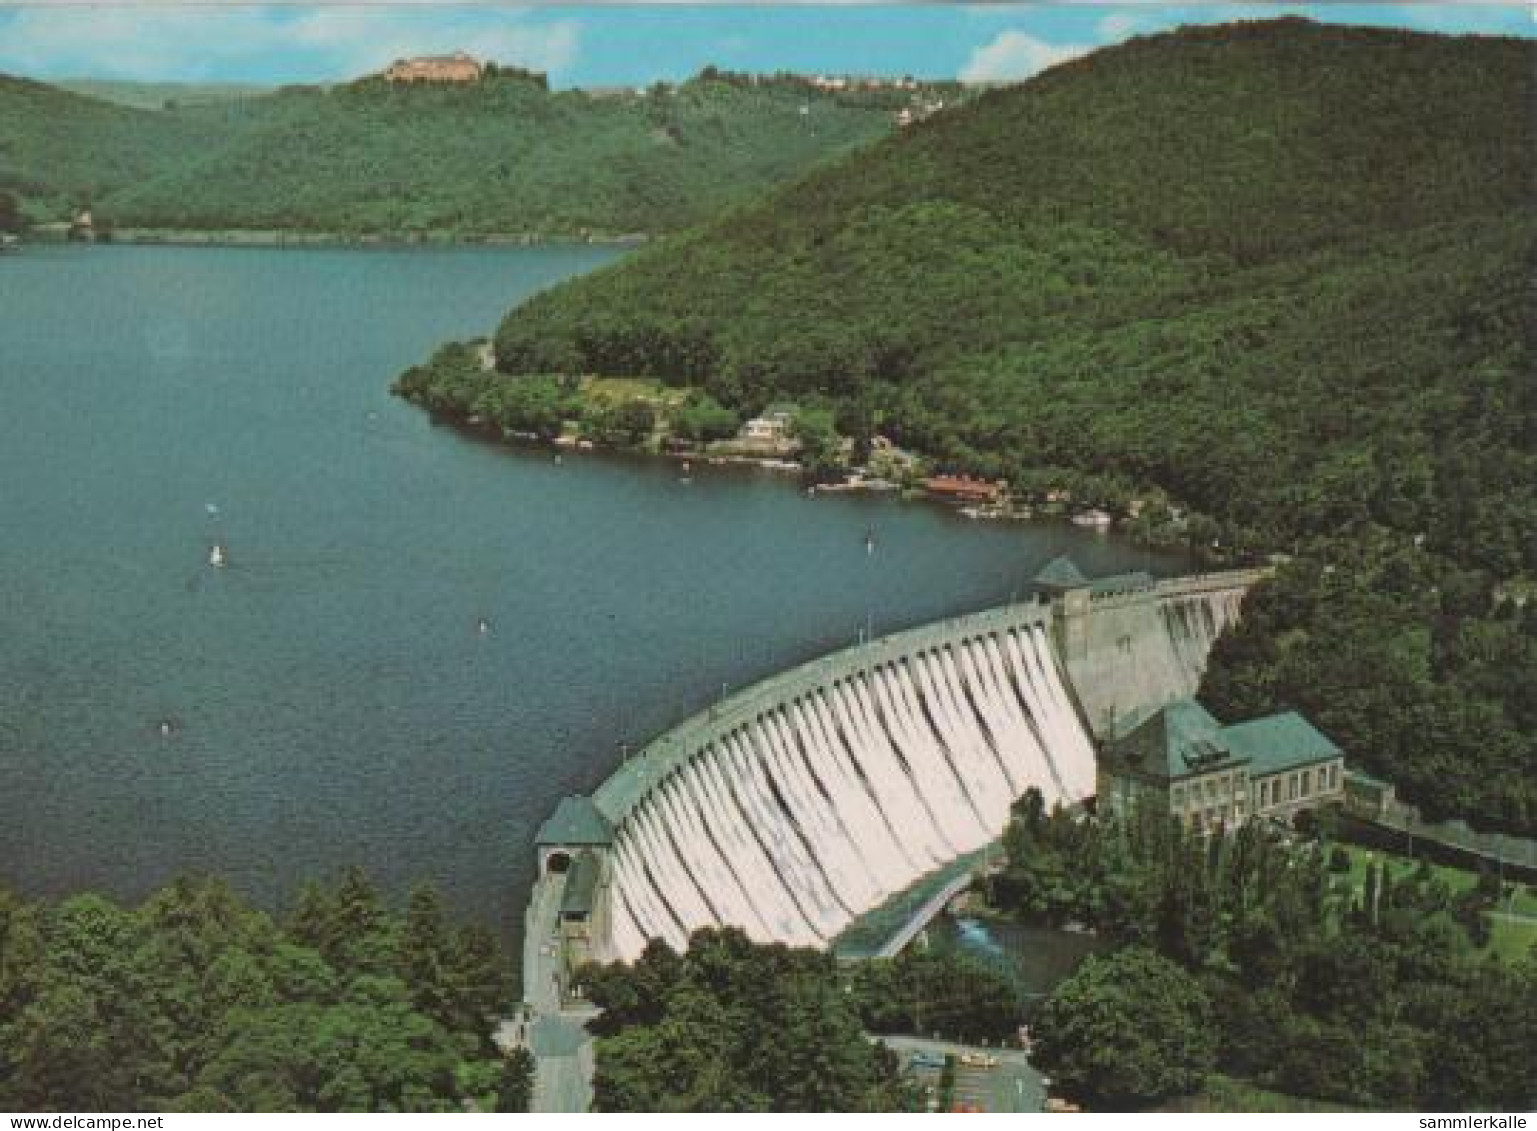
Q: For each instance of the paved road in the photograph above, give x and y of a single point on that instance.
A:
(562, 1048)
(1012, 1086)
(563, 1061)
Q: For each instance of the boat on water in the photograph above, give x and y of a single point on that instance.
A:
(217, 557)
(870, 540)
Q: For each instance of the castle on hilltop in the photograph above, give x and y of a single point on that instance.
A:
(458, 67)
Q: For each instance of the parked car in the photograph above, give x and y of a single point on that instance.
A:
(979, 1060)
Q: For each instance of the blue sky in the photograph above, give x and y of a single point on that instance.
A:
(624, 44)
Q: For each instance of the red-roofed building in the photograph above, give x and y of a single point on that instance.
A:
(963, 489)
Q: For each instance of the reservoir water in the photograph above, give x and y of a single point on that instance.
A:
(330, 695)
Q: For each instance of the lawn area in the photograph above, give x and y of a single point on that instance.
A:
(1512, 940)
(611, 391)
(1509, 939)
(1456, 879)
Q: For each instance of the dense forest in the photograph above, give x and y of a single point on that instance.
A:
(1270, 960)
(194, 1001)
(502, 155)
(733, 1025)
(1276, 275)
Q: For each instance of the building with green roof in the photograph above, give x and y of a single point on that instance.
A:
(1061, 576)
(576, 825)
(1210, 776)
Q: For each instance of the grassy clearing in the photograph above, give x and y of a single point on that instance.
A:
(1512, 940)
(612, 391)
(1509, 939)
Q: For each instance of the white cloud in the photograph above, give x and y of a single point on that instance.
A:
(340, 42)
(1121, 25)
(1014, 55)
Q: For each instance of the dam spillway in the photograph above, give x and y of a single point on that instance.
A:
(798, 804)
(799, 810)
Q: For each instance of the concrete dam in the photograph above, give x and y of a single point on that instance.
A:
(800, 803)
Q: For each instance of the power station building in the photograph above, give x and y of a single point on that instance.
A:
(1182, 761)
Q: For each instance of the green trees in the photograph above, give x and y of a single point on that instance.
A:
(1314, 982)
(920, 992)
(629, 423)
(734, 1026)
(821, 452)
(10, 213)
(455, 384)
(196, 1002)
(1410, 661)
(702, 418)
(1126, 1028)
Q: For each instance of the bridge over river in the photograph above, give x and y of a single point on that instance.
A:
(798, 804)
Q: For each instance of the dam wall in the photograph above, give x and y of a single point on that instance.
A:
(798, 804)
(1127, 653)
(795, 806)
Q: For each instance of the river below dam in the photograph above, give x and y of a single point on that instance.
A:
(332, 696)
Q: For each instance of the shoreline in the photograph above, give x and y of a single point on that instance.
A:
(793, 474)
(305, 238)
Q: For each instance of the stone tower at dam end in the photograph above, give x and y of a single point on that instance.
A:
(800, 803)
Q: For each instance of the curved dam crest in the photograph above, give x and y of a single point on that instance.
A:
(795, 806)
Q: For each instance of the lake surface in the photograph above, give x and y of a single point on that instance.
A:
(332, 699)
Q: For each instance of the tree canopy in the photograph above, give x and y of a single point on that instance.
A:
(1129, 1027)
(194, 1001)
(1257, 955)
(735, 1026)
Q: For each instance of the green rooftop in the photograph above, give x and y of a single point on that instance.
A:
(576, 820)
(1278, 742)
(581, 883)
(1061, 573)
(1182, 738)
(1178, 739)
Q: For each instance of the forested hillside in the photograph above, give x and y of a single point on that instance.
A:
(502, 155)
(1277, 271)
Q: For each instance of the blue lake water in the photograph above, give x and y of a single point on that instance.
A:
(332, 699)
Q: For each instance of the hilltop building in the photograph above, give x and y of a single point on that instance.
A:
(1182, 761)
(457, 67)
